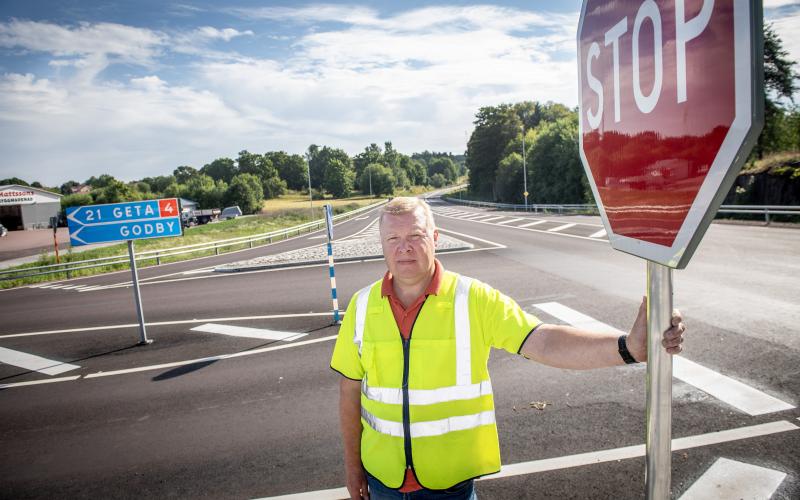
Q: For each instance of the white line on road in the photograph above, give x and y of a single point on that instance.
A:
(38, 382)
(731, 479)
(492, 219)
(208, 359)
(735, 393)
(243, 331)
(596, 457)
(564, 235)
(530, 224)
(509, 221)
(34, 363)
(599, 234)
(561, 228)
(497, 245)
(164, 323)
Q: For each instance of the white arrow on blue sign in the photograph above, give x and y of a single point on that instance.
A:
(124, 221)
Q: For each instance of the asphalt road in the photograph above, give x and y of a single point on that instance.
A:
(180, 418)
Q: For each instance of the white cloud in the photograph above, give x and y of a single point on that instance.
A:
(226, 34)
(788, 29)
(129, 44)
(771, 4)
(416, 78)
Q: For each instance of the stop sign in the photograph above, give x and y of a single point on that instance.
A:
(671, 102)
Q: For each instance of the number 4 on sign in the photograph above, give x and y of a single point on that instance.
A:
(168, 207)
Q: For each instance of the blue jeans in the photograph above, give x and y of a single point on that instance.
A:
(461, 491)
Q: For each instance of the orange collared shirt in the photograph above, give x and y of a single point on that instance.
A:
(405, 318)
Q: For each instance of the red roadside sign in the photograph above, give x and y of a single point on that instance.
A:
(670, 102)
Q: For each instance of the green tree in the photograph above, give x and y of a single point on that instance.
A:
(291, 168)
(76, 200)
(13, 180)
(261, 166)
(555, 172)
(383, 182)
(494, 128)
(220, 169)
(338, 178)
(321, 161)
(371, 154)
(509, 179)
(182, 174)
(444, 166)
(246, 191)
(100, 182)
(115, 191)
(779, 87)
(159, 183)
(66, 188)
(438, 180)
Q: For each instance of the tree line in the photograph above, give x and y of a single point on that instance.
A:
(251, 178)
(552, 159)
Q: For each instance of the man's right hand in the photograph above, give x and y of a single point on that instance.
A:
(357, 483)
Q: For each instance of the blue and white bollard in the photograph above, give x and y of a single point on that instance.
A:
(329, 223)
(333, 284)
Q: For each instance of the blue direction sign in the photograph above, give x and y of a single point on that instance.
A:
(124, 221)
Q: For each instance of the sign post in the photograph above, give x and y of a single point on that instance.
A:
(670, 105)
(329, 224)
(126, 222)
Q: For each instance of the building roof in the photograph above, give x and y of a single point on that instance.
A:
(29, 188)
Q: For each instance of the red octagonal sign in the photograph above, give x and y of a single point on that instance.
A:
(671, 102)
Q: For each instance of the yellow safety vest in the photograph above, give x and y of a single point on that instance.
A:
(427, 402)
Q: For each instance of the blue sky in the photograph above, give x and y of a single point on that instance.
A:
(136, 88)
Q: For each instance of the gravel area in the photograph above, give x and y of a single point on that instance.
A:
(365, 245)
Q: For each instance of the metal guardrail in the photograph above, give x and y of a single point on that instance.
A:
(157, 255)
(766, 210)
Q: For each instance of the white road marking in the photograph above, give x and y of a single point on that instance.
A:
(243, 331)
(564, 235)
(508, 221)
(492, 219)
(209, 358)
(198, 271)
(34, 363)
(599, 234)
(318, 237)
(561, 228)
(731, 479)
(533, 223)
(38, 382)
(735, 393)
(595, 457)
(164, 323)
(497, 245)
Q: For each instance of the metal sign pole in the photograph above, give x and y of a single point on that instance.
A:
(658, 474)
(137, 295)
(329, 223)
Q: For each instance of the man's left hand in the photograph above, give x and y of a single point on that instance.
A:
(672, 338)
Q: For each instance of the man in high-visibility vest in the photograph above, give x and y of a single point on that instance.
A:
(416, 407)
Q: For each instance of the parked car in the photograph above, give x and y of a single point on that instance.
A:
(230, 212)
(3, 230)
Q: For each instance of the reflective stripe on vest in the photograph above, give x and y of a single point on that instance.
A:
(463, 390)
(361, 315)
(431, 427)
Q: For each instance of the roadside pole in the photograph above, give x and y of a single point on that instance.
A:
(54, 223)
(658, 474)
(329, 224)
(137, 295)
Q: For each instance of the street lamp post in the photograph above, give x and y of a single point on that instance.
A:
(310, 194)
(524, 169)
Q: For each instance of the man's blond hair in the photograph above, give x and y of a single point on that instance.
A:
(408, 204)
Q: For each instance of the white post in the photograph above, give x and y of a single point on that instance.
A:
(137, 295)
(658, 475)
(524, 169)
